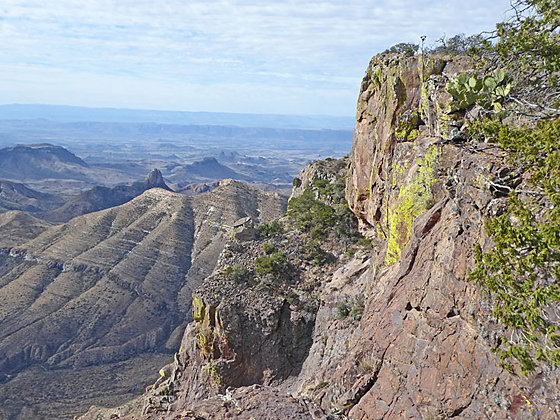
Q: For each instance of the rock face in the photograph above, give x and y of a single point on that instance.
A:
(111, 289)
(395, 333)
(426, 331)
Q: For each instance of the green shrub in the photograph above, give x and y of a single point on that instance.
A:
(313, 252)
(459, 45)
(236, 273)
(405, 48)
(276, 264)
(311, 215)
(319, 219)
(365, 243)
(357, 309)
(268, 230)
(521, 273)
(268, 248)
(342, 310)
(332, 192)
(353, 308)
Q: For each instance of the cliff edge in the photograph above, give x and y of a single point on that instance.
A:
(389, 329)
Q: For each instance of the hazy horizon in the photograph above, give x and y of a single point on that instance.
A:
(68, 114)
(242, 56)
(190, 111)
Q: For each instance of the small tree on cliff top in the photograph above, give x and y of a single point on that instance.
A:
(528, 46)
(403, 48)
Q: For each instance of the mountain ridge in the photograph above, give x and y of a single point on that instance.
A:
(111, 286)
(38, 161)
(75, 113)
(99, 198)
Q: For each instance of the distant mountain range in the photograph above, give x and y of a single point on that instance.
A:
(35, 162)
(27, 169)
(74, 113)
(37, 130)
(204, 170)
(48, 167)
(99, 198)
(39, 161)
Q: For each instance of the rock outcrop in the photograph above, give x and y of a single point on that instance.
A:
(393, 333)
(426, 194)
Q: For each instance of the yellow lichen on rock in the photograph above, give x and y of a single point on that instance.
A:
(413, 200)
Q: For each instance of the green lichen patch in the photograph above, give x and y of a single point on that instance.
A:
(443, 121)
(424, 106)
(413, 200)
(375, 76)
(197, 309)
(407, 128)
(213, 372)
(209, 335)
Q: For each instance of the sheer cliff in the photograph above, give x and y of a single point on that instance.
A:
(386, 329)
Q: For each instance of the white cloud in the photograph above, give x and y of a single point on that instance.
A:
(266, 47)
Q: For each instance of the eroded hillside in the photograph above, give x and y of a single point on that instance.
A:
(108, 293)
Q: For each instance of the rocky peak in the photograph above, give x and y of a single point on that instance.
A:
(155, 179)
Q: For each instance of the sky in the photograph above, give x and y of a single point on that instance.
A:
(281, 57)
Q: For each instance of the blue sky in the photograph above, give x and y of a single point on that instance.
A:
(287, 57)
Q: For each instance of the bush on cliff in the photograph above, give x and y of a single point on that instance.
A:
(275, 264)
(522, 273)
(405, 48)
(268, 230)
(322, 209)
(459, 44)
(528, 47)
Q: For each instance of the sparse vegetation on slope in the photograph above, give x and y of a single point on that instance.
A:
(271, 229)
(521, 274)
(321, 210)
